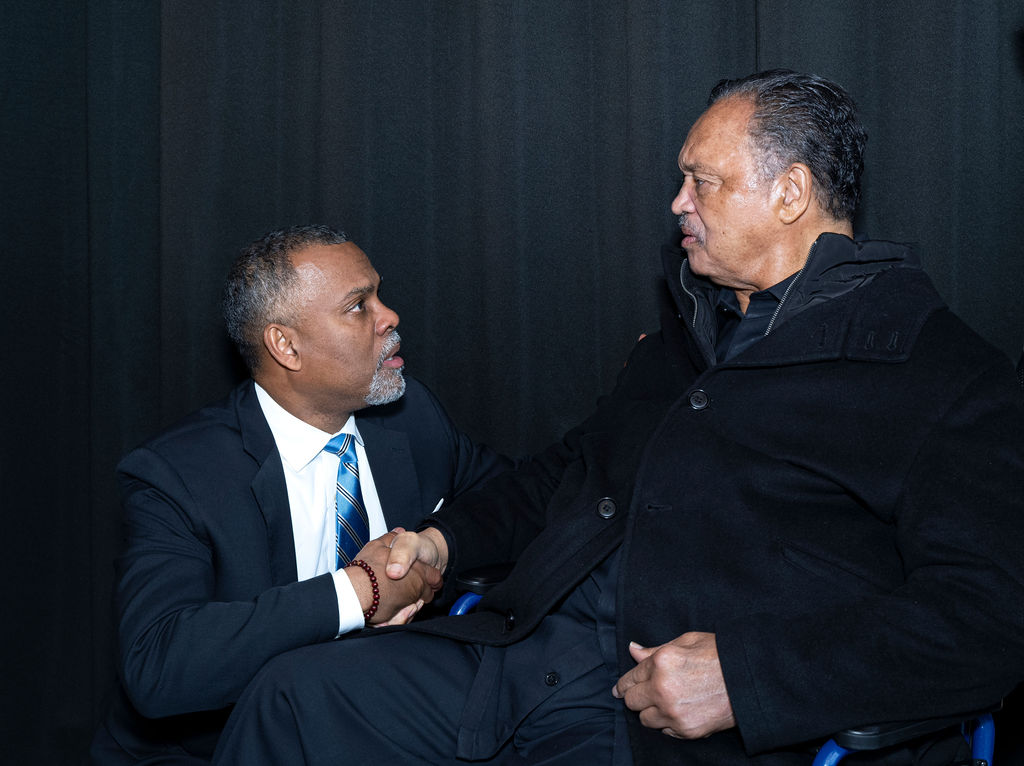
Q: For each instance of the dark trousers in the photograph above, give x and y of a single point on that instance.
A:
(409, 698)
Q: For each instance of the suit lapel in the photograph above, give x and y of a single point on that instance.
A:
(268, 485)
(394, 473)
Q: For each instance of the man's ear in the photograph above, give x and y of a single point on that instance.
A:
(794, 190)
(281, 343)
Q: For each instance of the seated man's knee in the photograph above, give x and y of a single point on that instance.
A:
(298, 674)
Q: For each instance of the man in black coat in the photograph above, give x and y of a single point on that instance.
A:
(230, 515)
(800, 510)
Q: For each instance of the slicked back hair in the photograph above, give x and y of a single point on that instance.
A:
(259, 285)
(805, 118)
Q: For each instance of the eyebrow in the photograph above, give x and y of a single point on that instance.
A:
(357, 292)
(365, 289)
(697, 167)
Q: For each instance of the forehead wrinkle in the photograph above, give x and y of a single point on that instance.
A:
(688, 163)
(695, 167)
(725, 123)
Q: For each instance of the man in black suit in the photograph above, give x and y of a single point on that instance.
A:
(232, 552)
(799, 511)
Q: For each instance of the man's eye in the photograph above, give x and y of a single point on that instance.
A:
(361, 306)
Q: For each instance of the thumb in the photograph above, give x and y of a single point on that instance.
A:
(406, 549)
(640, 653)
(403, 554)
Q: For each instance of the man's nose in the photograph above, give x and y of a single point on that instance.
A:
(683, 202)
(387, 321)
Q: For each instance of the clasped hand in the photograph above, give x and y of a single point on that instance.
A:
(401, 596)
(678, 687)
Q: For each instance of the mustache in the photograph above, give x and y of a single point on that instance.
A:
(390, 344)
(689, 231)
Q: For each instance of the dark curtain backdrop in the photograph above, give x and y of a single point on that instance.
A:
(507, 166)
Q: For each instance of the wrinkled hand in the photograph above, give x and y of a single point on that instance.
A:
(400, 599)
(678, 687)
(411, 549)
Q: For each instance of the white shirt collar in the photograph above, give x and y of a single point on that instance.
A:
(297, 441)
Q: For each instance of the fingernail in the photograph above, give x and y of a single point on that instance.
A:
(615, 693)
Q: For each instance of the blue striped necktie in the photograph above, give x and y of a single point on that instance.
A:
(353, 526)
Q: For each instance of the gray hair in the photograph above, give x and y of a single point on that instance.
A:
(805, 118)
(259, 285)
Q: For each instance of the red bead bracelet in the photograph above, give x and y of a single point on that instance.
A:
(373, 584)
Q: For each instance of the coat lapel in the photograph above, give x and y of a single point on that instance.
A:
(394, 474)
(268, 485)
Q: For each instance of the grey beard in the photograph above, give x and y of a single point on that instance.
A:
(387, 384)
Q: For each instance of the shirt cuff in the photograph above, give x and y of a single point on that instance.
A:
(350, 612)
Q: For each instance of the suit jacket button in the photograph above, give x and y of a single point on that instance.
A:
(606, 508)
(699, 399)
(551, 679)
(510, 621)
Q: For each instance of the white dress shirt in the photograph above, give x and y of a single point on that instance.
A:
(310, 475)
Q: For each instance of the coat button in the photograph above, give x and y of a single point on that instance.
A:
(699, 399)
(551, 679)
(510, 620)
(606, 508)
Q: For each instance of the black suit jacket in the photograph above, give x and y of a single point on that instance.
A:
(206, 586)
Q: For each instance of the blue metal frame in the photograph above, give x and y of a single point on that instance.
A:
(981, 736)
(465, 603)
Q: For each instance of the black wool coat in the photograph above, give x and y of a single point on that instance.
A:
(842, 504)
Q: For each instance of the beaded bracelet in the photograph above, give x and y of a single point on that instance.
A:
(373, 584)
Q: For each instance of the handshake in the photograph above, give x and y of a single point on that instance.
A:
(399, 572)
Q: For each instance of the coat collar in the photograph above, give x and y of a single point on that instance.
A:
(827, 315)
